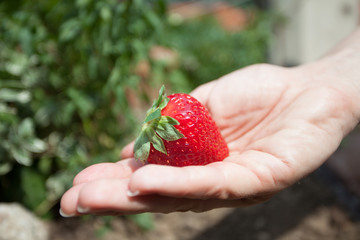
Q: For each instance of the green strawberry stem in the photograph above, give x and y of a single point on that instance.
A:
(156, 128)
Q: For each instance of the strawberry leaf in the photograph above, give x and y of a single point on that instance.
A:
(168, 132)
(156, 128)
(156, 141)
(142, 147)
(160, 98)
(153, 115)
(168, 120)
(164, 102)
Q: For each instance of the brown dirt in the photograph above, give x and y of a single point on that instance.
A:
(316, 208)
(309, 210)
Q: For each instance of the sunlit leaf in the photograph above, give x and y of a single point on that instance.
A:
(5, 168)
(26, 128)
(21, 155)
(35, 145)
(69, 30)
(11, 95)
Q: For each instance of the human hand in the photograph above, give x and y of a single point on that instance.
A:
(280, 124)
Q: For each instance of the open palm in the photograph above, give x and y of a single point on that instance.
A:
(280, 124)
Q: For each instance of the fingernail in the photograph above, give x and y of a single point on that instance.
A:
(82, 210)
(132, 194)
(64, 214)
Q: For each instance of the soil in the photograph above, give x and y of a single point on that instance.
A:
(320, 206)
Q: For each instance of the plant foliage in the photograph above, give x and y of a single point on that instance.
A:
(65, 69)
(72, 86)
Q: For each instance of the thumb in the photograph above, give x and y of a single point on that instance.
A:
(203, 92)
(128, 151)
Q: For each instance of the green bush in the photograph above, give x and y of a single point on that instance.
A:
(208, 52)
(70, 91)
(65, 69)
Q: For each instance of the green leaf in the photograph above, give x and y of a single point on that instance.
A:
(142, 153)
(153, 115)
(10, 95)
(105, 13)
(11, 84)
(35, 145)
(69, 30)
(161, 7)
(83, 103)
(153, 20)
(168, 120)
(5, 168)
(155, 131)
(82, 3)
(142, 147)
(21, 155)
(45, 165)
(18, 64)
(168, 132)
(26, 128)
(33, 185)
(6, 109)
(25, 38)
(44, 113)
(164, 103)
(8, 117)
(160, 103)
(156, 141)
(58, 183)
(160, 98)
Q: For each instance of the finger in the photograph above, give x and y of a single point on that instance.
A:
(203, 92)
(122, 169)
(108, 196)
(68, 202)
(222, 180)
(128, 151)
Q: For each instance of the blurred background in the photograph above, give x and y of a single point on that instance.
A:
(77, 76)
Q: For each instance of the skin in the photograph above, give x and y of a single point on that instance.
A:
(280, 125)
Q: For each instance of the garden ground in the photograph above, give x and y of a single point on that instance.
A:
(317, 207)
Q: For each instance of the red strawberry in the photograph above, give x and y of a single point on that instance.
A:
(179, 131)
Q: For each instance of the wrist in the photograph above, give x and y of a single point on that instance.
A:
(340, 70)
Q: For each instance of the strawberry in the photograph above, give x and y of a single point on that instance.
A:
(179, 131)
